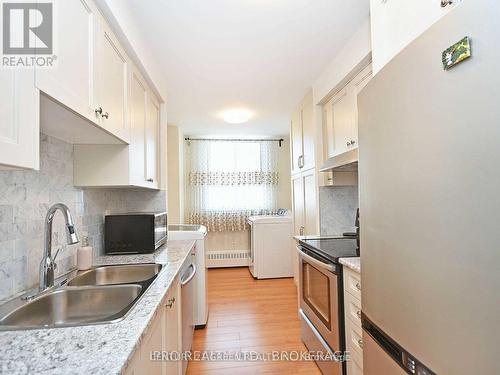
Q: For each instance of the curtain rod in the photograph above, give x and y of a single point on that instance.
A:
(280, 140)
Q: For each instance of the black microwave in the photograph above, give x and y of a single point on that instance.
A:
(134, 233)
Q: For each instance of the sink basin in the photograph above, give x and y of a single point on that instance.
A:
(117, 274)
(73, 306)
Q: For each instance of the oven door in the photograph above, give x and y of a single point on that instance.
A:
(319, 296)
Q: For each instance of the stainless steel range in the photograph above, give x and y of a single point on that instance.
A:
(321, 297)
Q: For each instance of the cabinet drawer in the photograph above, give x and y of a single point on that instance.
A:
(354, 341)
(352, 309)
(352, 282)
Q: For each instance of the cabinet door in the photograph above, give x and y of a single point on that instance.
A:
(342, 117)
(137, 148)
(298, 205)
(308, 132)
(20, 122)
(171, 330)
(152, 141)
(358, 84)
(296, 151)
(111, 86)
(71, 80)
(310, 206)
(153, 342)
(298, 218)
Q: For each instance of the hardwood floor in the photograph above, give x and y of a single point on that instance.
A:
(250, 315)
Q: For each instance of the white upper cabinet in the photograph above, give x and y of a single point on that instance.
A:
(338, 119)
(308, 132)
(395, 24)
(138, 109)
(19, 113)
(136, 164)
(152, 141)
(111, 83)
(296, 141)
(302, 135)
(71, 80)
(340, 116)
(358, 84)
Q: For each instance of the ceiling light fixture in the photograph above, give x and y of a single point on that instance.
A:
(237, 116)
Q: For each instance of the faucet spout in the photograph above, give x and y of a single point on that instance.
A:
(48, 265)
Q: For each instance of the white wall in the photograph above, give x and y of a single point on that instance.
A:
(396, 23)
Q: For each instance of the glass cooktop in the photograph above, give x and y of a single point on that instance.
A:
(332, 248)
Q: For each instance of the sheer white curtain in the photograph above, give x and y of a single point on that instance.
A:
(228, 181)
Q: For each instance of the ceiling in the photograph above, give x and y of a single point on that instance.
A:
(262, 55)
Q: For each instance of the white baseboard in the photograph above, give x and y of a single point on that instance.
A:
(227, 258)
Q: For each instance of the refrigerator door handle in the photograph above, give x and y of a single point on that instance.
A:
(310, 259)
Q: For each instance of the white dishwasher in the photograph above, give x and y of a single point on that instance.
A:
(188, 273)
(197, 233)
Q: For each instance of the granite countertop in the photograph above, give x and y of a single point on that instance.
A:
(352, 263)
(95, 349)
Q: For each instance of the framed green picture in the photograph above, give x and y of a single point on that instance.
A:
(457, 53)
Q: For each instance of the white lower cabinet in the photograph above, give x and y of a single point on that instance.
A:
(172, 322)
(163, 336)
(352, 318)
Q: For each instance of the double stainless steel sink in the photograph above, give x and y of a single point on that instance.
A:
(103, 294)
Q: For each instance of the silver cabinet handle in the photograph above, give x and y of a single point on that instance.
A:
(170, 302)
(358, 313)
(358, 286)
(98, 111)
(301, 230)
(106, 115)
(445, 3)
(360, 343)
(150, 180)
(300, 161)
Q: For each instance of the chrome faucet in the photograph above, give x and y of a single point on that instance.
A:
(48, 265)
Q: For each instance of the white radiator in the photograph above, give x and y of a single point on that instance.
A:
(227, 258)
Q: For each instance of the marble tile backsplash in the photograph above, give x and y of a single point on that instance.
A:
(338, 205)
(25, 197)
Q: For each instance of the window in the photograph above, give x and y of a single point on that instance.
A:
(230, 180)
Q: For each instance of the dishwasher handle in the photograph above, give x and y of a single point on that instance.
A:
(190, 277)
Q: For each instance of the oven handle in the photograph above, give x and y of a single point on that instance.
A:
(310, 259)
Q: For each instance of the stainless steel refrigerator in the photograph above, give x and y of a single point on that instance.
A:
(429, 165)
